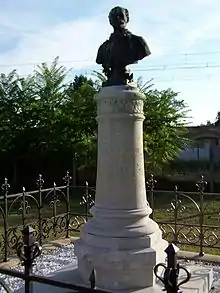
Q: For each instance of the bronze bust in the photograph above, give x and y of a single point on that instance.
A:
(121, 49)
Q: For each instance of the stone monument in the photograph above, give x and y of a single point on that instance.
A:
(120, 242)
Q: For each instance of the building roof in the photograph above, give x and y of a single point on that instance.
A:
(204, 132)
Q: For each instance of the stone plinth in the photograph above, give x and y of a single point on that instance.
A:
(121, 242)
(201, 281)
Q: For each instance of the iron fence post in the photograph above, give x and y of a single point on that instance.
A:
(54, 203)
(201, 188)
(175, 210)
(27, 252)
(40, 183)
(171, 271)
(23, 207)
(5, 188)
(151, 182)
(87, 201)
(67, 180)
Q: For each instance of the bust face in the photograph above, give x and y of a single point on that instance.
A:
(118, 18)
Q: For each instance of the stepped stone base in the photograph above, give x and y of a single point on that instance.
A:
(200, 282)
(120, 269)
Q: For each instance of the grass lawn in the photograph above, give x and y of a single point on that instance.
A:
(188, 217)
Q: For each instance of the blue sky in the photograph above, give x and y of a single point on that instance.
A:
(180, 34)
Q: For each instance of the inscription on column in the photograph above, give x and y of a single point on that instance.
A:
(129, 106)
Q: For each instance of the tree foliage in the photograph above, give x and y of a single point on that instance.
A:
(42, 116)
(165, 133)
(217, 119)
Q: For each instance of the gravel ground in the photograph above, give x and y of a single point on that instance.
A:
(60, 257)
(216, 272)
(45, 265)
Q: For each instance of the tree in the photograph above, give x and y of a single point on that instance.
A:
(45, 118)
(16, 97)
(144, 87)
(208, 123)
(78, 82)
(217, 119)
(81, 108)
(165, 133)
(66, 112)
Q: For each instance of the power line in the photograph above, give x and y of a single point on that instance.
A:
(173, 78)
(89, 60)
(164, 68)
(40, 62)
(86, 61)
(209, 77)
(167, 68)
(188, 67)
(194, 53)
(161, 68)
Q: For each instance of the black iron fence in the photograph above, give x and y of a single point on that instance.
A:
(186, 218)
(28, 250)
(52, 212)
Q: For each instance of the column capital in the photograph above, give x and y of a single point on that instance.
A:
(120, 100)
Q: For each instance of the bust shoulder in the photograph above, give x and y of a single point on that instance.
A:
(141, 45)
(101, 52)
(103, 45)
(138, 39)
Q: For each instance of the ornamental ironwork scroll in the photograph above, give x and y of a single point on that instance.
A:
(48, 211)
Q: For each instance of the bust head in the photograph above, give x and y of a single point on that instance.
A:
(119, 17)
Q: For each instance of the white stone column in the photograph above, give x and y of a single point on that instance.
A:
(121, 242)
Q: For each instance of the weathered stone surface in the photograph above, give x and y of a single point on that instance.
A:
(10, 264)
(121, 242)
(61, 242)
(200, 283)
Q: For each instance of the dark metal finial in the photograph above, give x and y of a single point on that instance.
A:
(67, 178)
(28, 250)
(5, 186)
(40, 181)
(172, 269)
(151, 182)
(201, 184)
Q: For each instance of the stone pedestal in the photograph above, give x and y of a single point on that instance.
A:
(201, 281)
(121, 242)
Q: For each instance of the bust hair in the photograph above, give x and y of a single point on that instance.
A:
(114, 11)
